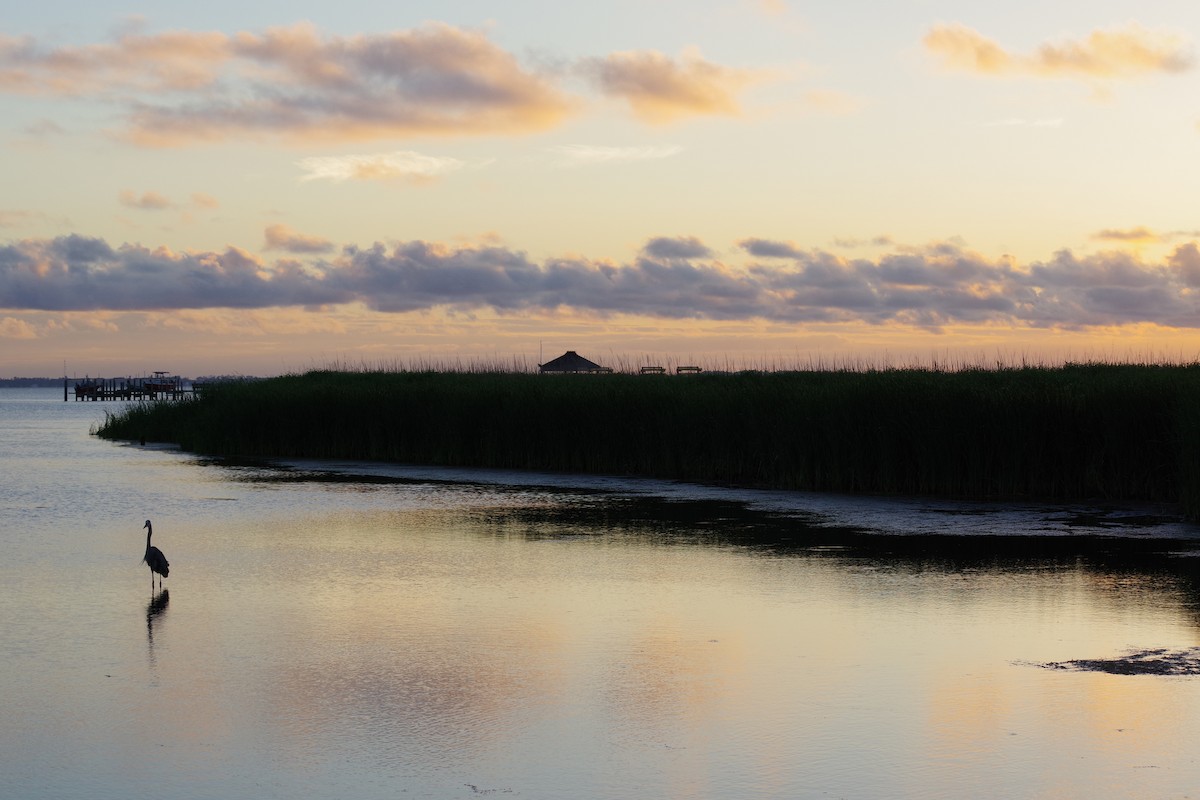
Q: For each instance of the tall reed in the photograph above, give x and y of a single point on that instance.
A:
(1103, 431)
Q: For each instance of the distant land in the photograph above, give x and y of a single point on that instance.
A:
(1099, 433)
(44, 383)
(29, 383)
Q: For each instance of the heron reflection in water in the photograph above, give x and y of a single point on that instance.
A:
(155, 610)
(157, 606)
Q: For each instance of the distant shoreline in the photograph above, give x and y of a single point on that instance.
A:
(30, 383)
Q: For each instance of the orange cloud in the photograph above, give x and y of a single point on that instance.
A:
(1143, 235)
(147, 201)
(966, 50)
(281, 237)
(1139, 235)
(1128, 52)
(202, 200)
(11, 328)
(660, 89)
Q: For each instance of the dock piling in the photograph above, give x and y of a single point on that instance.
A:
(160, 387)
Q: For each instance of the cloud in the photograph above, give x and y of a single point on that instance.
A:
(81, 273)
(667, 247)
(182, 86)
(670, 278)
(874, 241)
(583, 154)
(415, 276)
(281, 237)
(11, 328)
(434, 80)
(766, 248)
(12, 218)
(146, 201)
(1139, 235)
(1127, 52)
(172, 61)
(660, 89)
(43, 128)
(1185, 262)
(298, 84)
(1142, 235)
(402, 165)
(202, 200)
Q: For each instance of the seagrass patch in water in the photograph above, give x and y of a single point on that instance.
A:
(1157, 661)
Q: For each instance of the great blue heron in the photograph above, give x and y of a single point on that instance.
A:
(155, 558)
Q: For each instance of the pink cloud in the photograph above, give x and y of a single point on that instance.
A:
(660, 89)
(296, 83)
(175, 60)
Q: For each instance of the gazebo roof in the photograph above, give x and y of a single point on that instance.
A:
(570, 361)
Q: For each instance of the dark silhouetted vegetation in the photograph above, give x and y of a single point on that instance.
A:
(1107, 432)
(29, 383)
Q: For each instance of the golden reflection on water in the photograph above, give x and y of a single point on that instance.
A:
(441, 682)
(385, 650)
(987, 712)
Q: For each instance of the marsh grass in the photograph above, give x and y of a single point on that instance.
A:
(1111, 432)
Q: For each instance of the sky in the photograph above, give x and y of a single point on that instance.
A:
(263, 188)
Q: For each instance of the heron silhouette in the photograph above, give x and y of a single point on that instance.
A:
(155, 559)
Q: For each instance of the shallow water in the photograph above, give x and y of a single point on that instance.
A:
(347, 630)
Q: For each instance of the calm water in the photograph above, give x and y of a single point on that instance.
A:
(346, 631)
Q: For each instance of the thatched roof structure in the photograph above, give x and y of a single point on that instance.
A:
(571, 361)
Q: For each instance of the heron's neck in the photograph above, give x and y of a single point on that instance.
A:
(149, 531)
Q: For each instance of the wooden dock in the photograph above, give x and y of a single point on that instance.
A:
(159, 387)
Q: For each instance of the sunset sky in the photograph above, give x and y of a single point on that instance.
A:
(267, 187)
